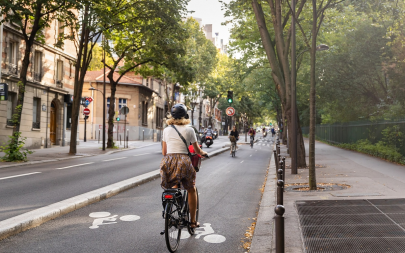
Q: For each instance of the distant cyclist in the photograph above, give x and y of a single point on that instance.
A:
(235, 134)
(252, 133)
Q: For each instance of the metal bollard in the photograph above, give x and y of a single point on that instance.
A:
(283, 168)
(278, 149)
(279, 224)
(99, 136)
(280, 192)
(120, 139)
(275, 158)
(280, 169)
(143, 135)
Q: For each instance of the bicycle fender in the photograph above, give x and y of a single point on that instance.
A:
(167, 209)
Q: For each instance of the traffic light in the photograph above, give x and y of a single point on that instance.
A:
(118, 119)
(230, 96)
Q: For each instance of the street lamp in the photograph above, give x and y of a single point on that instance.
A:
(92, 88)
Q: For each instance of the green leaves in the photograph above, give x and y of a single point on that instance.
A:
(13, 149)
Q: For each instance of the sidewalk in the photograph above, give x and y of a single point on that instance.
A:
(368, 177)
(89, 148)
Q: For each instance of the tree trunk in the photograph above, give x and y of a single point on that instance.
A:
(80, 71)
(312, 175)
(111, 111)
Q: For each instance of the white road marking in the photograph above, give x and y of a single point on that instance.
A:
(74, 166)
(21, 175)
(250, 155)
(144, 154)
(215, 238)
(241, 162)
(114, 159)
(130, 218)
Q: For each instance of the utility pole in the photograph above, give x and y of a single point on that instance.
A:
(293, 135)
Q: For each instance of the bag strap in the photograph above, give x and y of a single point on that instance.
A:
(184, 140)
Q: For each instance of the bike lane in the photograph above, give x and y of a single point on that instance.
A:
(132, 221)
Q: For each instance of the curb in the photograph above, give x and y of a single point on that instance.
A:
(68, 158)
(41, 215)
(262, 241)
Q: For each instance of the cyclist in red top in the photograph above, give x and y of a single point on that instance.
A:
(252, 132)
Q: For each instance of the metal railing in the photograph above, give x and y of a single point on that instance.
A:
(10, 122)
(36, 125)
(12, 69)
(352, 132)
(59, 83)
(38, 76)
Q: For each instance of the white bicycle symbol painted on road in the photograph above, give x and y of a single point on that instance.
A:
(206, 231)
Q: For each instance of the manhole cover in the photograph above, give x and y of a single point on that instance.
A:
(360, 225)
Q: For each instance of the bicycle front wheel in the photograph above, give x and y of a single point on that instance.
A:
(172, 228)
(191, 230)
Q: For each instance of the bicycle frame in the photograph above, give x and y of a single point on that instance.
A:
(177, 198)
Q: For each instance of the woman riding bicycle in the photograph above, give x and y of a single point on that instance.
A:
(176, 167)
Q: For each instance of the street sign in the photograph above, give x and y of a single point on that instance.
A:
(86, 103)
(230, 111)
(90, 99)
(86, 111)
(3, 92)
(124, 110)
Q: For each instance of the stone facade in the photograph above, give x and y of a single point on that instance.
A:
(144, 97)
(50, 76)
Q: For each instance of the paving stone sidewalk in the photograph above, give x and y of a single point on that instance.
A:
(369, 178)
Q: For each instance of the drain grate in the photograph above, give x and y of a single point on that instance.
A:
(376, 225)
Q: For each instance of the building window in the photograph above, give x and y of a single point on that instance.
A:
(160, 88)
(59, 73)
(151, 83)
(144, 113)
(13, 58)
(159, 117)
(147, 82)
(68, 115)
(122, 102)
(38, 66)
(11, 104)
(61, 34)
(36, 113)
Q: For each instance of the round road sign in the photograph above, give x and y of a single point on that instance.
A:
(230, 111)
(86, 111)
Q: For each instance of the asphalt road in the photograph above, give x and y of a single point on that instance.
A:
(229, 191)
(29, 187)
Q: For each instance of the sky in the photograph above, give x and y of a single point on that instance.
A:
(211, 13)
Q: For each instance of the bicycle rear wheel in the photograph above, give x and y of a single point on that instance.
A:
(191, 230)
(172, 228)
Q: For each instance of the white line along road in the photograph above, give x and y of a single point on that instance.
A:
(74, 166)
(144, 154)
(114, 159)
(2, 178)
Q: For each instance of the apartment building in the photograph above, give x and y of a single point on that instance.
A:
(46, 112)
(145, 98)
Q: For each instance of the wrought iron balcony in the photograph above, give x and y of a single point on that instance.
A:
(38, 76)
(36, 125)
(12, 69)
(59, 84)
(10, 122)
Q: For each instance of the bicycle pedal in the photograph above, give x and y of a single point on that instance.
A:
(162, 233)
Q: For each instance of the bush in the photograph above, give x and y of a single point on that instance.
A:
(13, 149)
(380, 149)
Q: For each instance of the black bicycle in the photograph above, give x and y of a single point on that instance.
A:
(251, 141)
(177, 216)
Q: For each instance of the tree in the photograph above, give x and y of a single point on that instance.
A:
(152, 39)
(96, 62)
(32, 17)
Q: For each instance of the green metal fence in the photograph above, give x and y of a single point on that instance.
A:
(351, 132)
